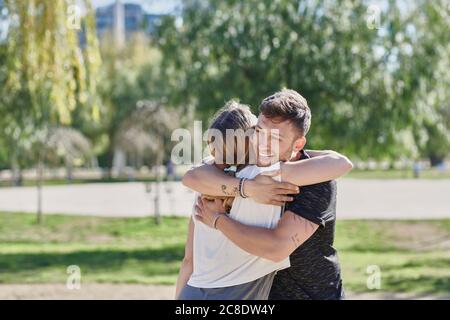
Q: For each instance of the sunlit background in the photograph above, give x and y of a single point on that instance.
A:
(91, 205)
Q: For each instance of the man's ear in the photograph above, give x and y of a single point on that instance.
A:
(299, 144)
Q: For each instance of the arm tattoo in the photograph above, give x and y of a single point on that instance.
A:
(231, 193)
(296, 240)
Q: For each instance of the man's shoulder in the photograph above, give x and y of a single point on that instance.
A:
(323, 192)
(316, 198)
(326, 187)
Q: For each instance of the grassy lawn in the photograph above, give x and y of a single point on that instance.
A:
(413, 256)
(397, 174)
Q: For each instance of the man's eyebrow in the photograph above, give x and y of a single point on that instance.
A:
(277, 134)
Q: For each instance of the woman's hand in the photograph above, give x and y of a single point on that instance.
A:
(264, 189)
(208, 211)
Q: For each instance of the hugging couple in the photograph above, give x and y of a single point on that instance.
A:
(266, 229)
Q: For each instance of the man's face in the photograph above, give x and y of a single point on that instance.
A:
(276, 141)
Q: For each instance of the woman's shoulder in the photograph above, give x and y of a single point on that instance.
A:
(252, 171)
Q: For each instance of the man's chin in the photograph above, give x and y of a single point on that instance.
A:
(266, 161)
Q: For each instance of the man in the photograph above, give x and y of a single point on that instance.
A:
(305, 232)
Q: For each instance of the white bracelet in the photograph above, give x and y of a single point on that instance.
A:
(241, 188)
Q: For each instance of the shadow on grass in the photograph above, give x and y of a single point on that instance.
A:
(441, 263)
(408, 281)
(426, 283)
(90, 259)
(364, 248)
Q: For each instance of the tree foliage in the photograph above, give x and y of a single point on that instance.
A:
(47, 74)
(373, 88)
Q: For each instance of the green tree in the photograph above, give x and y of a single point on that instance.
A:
(3, 149)
(426, 78)
(119, 85)
(130, 74)
(69, 147)
(360, 79)
(48, 74)
(227, 49)
(146, 134)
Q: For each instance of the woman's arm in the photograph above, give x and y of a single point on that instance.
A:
(208, 179)
(187, 265)
(316, 153)
(323, 166)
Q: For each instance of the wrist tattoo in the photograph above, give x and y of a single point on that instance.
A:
(231, 192)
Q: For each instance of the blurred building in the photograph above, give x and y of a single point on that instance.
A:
(124, 19)
(118, 18)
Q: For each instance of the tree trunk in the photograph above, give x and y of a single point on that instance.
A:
(39, 191)
(110, 162)
(435, 159)
(159, 157)
(16, 176)
(40, 176)
(69, 171)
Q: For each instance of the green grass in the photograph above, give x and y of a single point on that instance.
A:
(413, 256)
(397, 174)
(133, 250)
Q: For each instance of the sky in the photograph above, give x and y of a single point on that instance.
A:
(151, 6)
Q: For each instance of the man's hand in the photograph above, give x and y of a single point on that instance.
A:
(207, 211)
(264, 189)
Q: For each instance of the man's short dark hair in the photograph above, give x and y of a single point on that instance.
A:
(288, 105)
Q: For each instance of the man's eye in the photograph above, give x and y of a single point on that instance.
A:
(275, 136)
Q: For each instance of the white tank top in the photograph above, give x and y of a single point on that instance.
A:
(217, 261)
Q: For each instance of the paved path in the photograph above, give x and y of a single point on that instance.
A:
(357, 199)
(148, 292)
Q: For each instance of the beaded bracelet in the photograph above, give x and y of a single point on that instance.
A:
(241, 188)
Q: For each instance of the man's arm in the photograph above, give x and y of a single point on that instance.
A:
(272, 244)
(210, 180)
(323, 166)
